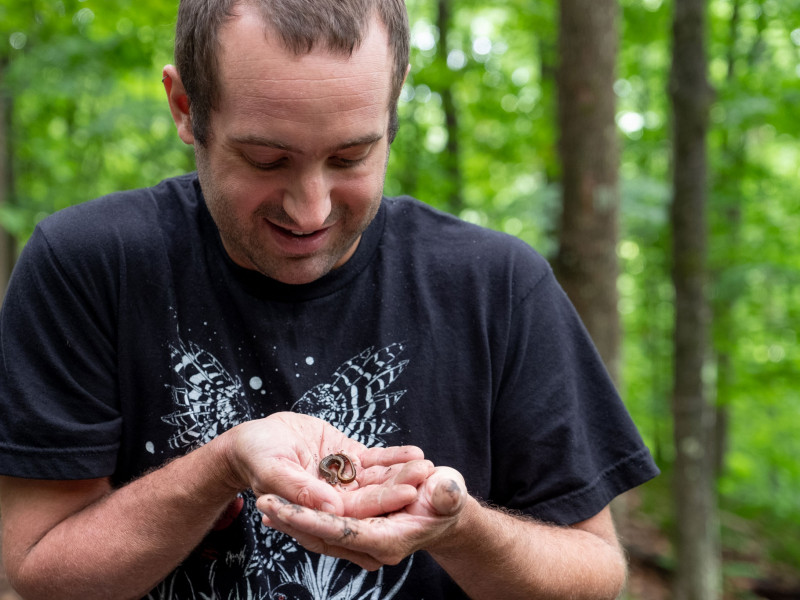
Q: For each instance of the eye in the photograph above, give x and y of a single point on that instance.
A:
(352, 157)
(266, 166)
(346, 163)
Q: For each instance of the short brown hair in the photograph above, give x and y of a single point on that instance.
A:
(338, 25)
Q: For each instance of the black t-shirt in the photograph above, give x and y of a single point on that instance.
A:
(129, 337)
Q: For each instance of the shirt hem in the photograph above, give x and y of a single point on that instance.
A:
(583, 503)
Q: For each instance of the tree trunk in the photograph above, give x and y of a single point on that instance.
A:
(698, 570)
(586, 263)
(452, 153)
(730, 213)
(728, 208)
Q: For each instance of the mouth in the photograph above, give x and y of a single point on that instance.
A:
(299, 242)
(296, 233)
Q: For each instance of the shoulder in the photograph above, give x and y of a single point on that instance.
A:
(101, 238)
(134, 213)
(441, 242)
(413, 219)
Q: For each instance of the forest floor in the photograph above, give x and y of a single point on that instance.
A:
(748, 573)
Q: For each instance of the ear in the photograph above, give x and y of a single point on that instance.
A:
(178, 103)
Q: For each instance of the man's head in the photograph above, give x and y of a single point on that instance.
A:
(292, 145)
(338, 26)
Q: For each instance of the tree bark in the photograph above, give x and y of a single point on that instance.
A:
(697, 545)
(723, 326)
(586, 263)
(452, 153)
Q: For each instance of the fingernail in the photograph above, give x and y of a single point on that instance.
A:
(328, 508)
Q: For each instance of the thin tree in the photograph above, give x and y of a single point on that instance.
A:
(452, 155)
(586, 263)
(697, 544)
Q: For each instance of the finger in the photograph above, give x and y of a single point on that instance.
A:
(377, 500)
(390, 456)
(335, 530)
(305, 489)
(340, 530)
(410, 473)
(320, 495)
(447, 491)
(384, 490)
(320, 546)
(365, 561)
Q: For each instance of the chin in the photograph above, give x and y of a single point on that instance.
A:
(298, 274)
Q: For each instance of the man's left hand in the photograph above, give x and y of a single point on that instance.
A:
(376, 541)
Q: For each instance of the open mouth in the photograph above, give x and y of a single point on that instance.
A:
(297, 241)
(300, 235)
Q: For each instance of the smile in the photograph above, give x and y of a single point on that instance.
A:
(296, 242)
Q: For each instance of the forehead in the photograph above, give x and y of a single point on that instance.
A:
(258, 75)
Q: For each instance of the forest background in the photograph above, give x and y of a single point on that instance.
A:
(84, 114)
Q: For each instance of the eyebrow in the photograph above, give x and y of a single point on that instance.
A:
(257, 140)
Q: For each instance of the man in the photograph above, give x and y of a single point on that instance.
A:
(184, 365)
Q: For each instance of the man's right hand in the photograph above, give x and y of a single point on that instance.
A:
(280, 455)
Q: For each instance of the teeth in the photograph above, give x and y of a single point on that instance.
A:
(300, 233)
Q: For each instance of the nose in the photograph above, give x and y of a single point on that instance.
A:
(307, 202)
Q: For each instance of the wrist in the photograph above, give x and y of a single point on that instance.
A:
(461, 532)
(226, 464)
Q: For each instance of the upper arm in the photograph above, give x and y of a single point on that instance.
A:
(60, 413)
(31, 508)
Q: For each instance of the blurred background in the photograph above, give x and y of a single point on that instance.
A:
(661, 178)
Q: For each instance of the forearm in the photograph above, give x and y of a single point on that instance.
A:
(123, 544)
(82, 540)
(488, 552)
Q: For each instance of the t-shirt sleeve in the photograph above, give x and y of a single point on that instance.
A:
(59, 416)
(566, 442)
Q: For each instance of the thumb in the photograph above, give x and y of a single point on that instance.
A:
(319, 495)
(313, 496)
(299, 487)
(448, 491)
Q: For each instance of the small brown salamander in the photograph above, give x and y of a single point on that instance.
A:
(332, 468)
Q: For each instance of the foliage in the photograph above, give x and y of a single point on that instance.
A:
(502, 80)
(89, 117)
(83, 79)
(754, 246)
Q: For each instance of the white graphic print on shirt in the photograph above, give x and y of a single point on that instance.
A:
(210, 400)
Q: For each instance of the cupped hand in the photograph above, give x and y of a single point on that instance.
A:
(280, 456)
(376, 541)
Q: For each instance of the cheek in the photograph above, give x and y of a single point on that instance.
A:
(359, 198)
(244, 195)
(236, 185)
(360, 193)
